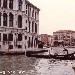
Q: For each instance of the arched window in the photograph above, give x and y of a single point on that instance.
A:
(5, 3)
(29, 42)
(4, 19)
(35, 42)
(0, 18)
(19, 37)
(29, 25)
(33, 12)
(32, 42)
(36, 39)
(32, 26)
(10, 37)
(11, 4)
(0, 3)
(20, 4)
(19, 21)
(10, 20)
(35, 28)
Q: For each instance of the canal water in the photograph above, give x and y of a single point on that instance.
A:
(22, 65)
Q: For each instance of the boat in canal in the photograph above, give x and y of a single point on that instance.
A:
(61, 57)
(67, 56)
(64, 57)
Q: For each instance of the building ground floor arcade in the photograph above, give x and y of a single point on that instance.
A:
(17, 40)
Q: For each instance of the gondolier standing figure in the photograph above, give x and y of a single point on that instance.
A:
(50, 51)
(66, 50)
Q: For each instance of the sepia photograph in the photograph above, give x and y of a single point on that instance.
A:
(37, 37)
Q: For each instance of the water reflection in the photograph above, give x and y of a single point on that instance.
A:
(17, 64)
(55, 67)
(22, 65)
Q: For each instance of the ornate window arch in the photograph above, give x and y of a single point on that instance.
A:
(11, 4)
(5, 3)
(32, 26)
(19, 21)
(20, 4)
(0, 18)
(0, 3)
(10, 20)
(35, 28)
(4, 19)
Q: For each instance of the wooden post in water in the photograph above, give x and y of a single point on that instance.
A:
(25, 52)
(49, 52)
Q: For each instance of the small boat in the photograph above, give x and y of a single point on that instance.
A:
(61, 57)
(2, 53)
(64, 57)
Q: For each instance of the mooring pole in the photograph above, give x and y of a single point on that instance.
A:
(25, 52)
(49, 52)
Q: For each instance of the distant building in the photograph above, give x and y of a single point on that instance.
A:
(44, 38)
(64, 38)
(47, 39)
(50, 40)
(19, 25)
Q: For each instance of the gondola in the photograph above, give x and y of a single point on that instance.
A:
(64, 57)
(70, 56)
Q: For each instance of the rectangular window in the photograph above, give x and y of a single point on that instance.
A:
(0, 46)
(10, 46)
(5, 3)
(30, 11)
(10, 37)
(4, 19)
(32, 26)
(10, 23)
(4, 37)
(26, 21)
(32, 42)
(11, 4)
(19, 46)
(0, 3)
(33, 13)
(0, 18)
(35, 28)
(19, 37)
(29, 42)
(25, 46)
(26, 11)
(20, 5)
(36, 39)
(0, 36)
(25, 28)
(25, 37)
(19, 21)
(26, 6)
(29, 26)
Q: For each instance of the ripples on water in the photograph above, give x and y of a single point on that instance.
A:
(22, 65)
(55, 67)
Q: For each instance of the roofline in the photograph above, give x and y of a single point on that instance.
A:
(64, 31)
(32, 5)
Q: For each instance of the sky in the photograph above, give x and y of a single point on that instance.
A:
(55, 15)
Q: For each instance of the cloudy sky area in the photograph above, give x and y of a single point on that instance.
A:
(55, 15)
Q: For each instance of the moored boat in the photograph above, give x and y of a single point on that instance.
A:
(70, 56)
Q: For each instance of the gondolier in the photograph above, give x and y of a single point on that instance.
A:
(66, 50)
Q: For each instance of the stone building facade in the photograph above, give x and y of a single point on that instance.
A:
(19, 25)
(46, 39)
(64, 37)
